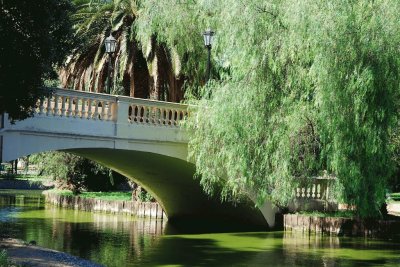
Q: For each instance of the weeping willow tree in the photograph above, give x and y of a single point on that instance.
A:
(153, 73)
(304, 87)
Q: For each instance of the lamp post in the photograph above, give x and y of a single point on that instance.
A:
(110, 43)
(208, 40)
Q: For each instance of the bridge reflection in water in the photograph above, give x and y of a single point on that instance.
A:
(113, 240)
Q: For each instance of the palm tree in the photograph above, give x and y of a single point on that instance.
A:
(154, 74)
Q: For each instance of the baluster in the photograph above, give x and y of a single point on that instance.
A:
(151, 115)
(298, 192)
(180, 117)
(84, 111)
(110, 110)
(142, 114)
(55, 108)
(96, 110)
(318, 191)
(162, 116)
(170, 117)
(63, 99)
(130, 111)
(37, 106)
(41, 106)
(175, 117)
(147, 115)
(303, 192)
(167, 117)
(70, 103)
(76, 113)
(159, 120)
(313, 191)
(48, 109)
(136, 112)
(308, 192)
(89, 109)
(103, 110)
(154, 116)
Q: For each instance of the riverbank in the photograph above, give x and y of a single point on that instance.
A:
(22, 254)
(26, 184)
(134, 208)
(341, 226)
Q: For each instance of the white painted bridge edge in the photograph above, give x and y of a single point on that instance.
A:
(69, 119)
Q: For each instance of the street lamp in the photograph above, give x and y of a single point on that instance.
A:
(110, 43)
(208, 40)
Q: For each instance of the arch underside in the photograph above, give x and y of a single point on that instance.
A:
(170, 181)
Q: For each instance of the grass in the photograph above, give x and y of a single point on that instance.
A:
(4, 260)
(96, 195)
(335, 214)
(394, 196)
(29, 177)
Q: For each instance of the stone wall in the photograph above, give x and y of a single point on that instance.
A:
(139, 209)
(341, 226)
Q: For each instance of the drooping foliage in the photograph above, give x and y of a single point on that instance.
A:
(141, 71)
(303, 87)
(34, 37)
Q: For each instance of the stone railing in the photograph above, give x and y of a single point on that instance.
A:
(156, 112)
(318, 189)
(121, 109)
(316, 194)
(77, 104)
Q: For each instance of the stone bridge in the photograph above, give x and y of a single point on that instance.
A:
(141, 139)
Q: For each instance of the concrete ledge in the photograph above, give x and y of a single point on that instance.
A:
(393, 208)
(139, 209)
(341, 226)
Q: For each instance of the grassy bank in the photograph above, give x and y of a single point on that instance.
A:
(30, 177)
(122, 196)
(336, 214)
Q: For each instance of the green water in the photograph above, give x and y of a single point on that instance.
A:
(113, 240)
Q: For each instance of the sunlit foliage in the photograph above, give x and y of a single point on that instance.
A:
(304, 87)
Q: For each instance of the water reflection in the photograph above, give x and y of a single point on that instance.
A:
(120, 240)
(108, 239)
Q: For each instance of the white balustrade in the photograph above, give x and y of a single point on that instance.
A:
(76, 104)
(121, 109)
(317, 189)
(156, 112)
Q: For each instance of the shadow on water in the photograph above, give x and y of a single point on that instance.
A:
(270, 249)
(113, 240)
(201, 226)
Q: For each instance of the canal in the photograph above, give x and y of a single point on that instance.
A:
(113, 240)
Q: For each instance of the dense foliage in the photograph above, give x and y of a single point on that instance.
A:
(34, 37)
(301, 88)
(76, 173)
(304, 87)
(147, 69)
